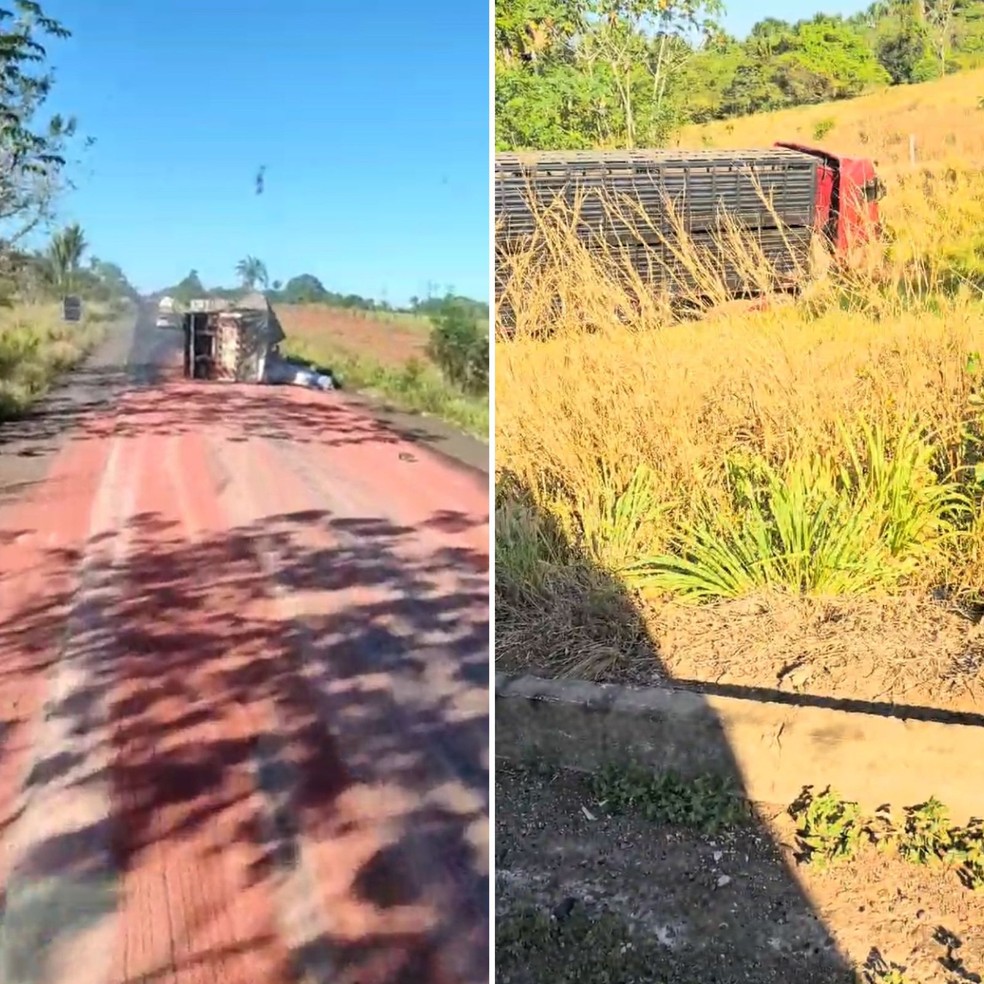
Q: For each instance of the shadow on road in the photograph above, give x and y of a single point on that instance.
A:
(344, 746)
(277, 413)
(584, 896)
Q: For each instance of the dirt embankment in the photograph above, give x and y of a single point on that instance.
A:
(386, 342)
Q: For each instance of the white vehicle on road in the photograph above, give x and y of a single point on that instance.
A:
(166, 314)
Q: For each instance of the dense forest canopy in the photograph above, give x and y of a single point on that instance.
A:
(622, 73)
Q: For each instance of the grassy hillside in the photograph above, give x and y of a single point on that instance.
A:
(799, 479)
(946, 117)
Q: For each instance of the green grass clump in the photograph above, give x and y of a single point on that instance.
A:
(415, 386)
(816, 526)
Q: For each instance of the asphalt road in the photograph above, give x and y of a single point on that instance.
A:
(243, 687)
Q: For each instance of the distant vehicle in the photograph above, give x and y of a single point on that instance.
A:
(168, 313)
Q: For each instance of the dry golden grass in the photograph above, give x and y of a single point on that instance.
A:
(945, 117)
(622, 440)
(36, 346)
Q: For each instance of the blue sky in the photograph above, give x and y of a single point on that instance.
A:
(371, 118)
(739, 17)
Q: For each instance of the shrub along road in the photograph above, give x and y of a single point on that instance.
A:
(243, 673)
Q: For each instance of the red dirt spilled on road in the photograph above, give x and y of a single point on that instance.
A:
(292, 569)
(41, 542)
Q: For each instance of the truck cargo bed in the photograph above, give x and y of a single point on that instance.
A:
(637, 194)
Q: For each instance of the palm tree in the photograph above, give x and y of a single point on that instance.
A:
(252, 271)
(64, 256)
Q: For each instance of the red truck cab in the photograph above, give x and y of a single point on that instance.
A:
(847, 195)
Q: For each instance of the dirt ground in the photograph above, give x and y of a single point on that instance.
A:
(910, 652)
(584, 897)
(907, 651)
(387, 342)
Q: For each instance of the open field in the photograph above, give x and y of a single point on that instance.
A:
(36, 346)
(778, 501)
(388, 342)
(788, 490)
(387, 359)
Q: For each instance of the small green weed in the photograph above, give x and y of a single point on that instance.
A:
(822, 127)
(926, 837)
(706, 803)
(527, 547)
(877, 970)
(816, 526)
(580, 948)
(968, 852)
(616, 520)
(829, 829)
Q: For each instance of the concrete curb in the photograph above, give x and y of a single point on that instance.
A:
(771, 749)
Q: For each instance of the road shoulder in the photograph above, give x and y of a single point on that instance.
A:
(28, 445)
(433, 433)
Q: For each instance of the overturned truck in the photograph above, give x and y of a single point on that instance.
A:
(638, 205)
(239, 341)
(232, 341)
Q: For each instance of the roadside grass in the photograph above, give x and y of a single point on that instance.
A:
(416, 386)
(827, 444)
(36, 346)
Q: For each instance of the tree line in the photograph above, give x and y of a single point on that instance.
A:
(63, 268)
(306, 288)
(573, 74)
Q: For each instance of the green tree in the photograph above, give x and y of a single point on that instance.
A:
(826, 59)
(64, 258)
(110, 280)
(906, 54)
(642, 46)
(304, 289)
(938, 18)
(460, 347)
(252, 271)
(189, 288)
(32, 149)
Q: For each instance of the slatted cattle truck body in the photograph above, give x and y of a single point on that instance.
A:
(637, 202)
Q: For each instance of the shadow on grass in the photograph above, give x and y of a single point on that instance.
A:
(681, 882)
